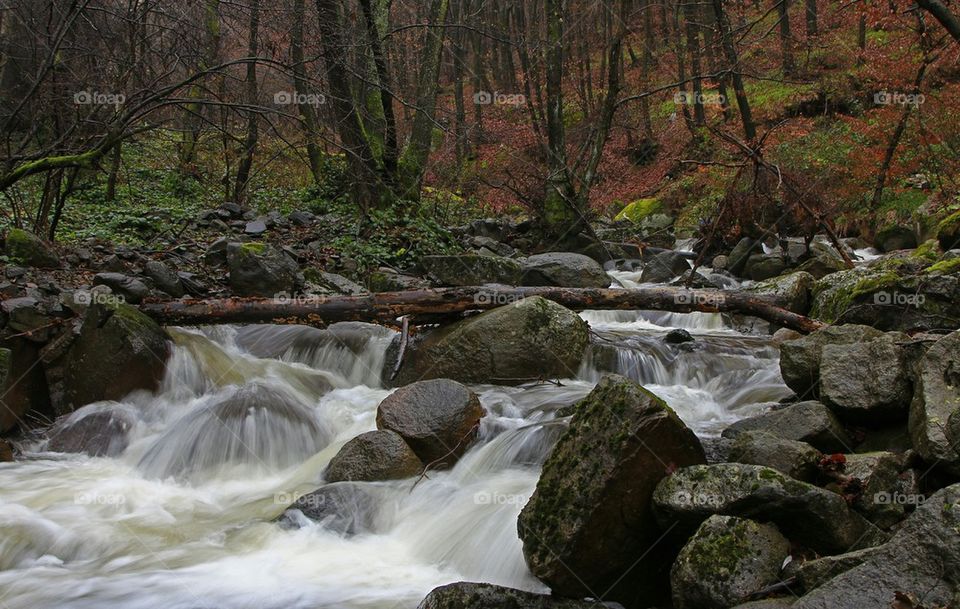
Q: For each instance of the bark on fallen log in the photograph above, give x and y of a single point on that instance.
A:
(430, 303)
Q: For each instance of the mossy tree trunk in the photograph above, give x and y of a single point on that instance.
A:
(383, 176)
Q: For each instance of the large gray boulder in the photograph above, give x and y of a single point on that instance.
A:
(764, 266)
(438, 419)
(347, 508)
(165, 278)
(800, 359)
(663, 267)
(890, 297)
(259, 269)
(806, 514)
(529, 339)
(98, 430)
(793, 290)
(471, 270)
(882, 498)
(375, 455)
(922, 559)
(466, 595)
(809, 422)
(813, 573)
(867, 382)
(565, 269)
(935, 410)
(127, 287)
(895, 237)
(119, 350)
(589, 520)
(725, 561)
(796, 459)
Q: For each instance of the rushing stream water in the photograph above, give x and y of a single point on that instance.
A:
(185, 516)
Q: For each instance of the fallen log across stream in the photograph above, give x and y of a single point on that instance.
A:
(430, 304)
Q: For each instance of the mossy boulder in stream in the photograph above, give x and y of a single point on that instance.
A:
(119, 350)
(589, 520)
(530, 339)
(792, 289)
(809, 515)
(26, 248)
(727, 559)
(892, 294)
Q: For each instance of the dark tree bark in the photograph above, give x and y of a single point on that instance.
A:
(733, 64)
(253, 119)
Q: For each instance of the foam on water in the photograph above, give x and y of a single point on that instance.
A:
(246, 421)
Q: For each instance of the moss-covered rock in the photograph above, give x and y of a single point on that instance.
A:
(792, 289)
(806, 514)
(948, 232)
(893, 294)
(529, 339)
(119, 350)
(638, 210)
(565, 269)
(725, 561)
(895, 237)
(589, 520)
(26, 248)
(867, 382)
(881, 499)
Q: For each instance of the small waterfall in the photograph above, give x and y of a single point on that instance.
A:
(354, 350)
(655, 320)
(248, 418)
(256, 426)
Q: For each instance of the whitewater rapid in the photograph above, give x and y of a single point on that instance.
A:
(186, 516)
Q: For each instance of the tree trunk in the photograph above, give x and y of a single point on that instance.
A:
(941, 13)
(786, 39)
(250, 140)
(413, 162)
(308, 113)
(690, 15)
(388, 306)
(559, 207)
(811, 12)
(733, 62)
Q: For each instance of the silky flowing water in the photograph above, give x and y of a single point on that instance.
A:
(186, 516)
